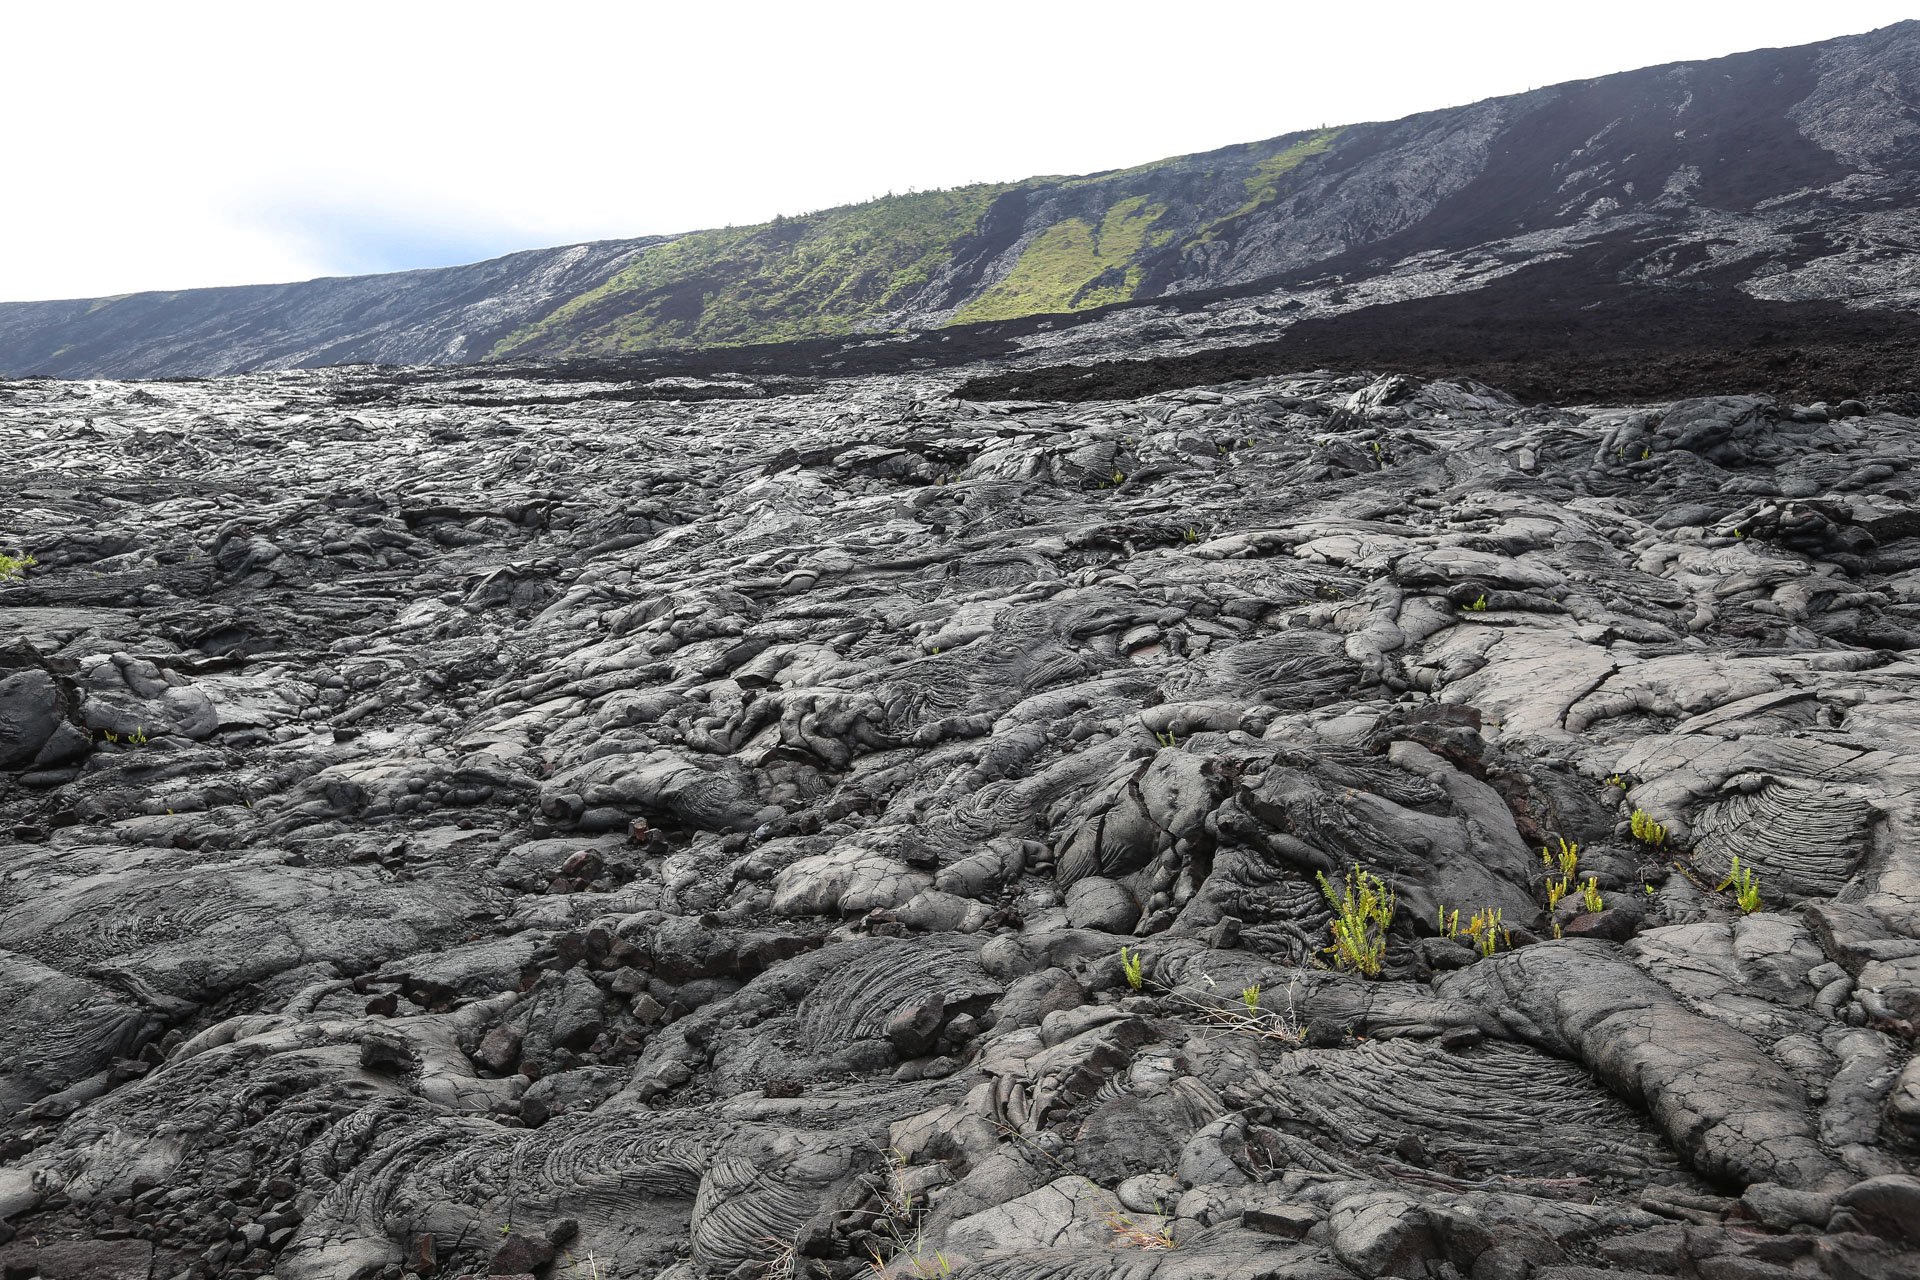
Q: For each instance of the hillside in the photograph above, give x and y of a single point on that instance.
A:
(1786, 175)
(445, 316)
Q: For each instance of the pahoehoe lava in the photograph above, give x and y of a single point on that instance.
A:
(760, 815)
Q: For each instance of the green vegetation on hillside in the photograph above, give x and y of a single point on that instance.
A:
(823, 274)
(807, 277)
(1264, 184)
(1072, 266)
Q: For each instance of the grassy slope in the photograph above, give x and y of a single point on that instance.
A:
(805, 277)
(1072, 265)
(1266, 183)
(819, 275)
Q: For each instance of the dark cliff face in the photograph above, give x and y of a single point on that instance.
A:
(1788, 175)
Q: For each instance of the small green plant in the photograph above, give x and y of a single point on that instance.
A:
(1590, 896)
(1130, 967)
(1119, 477)
(1361, 918)
(1646, 830)
(1484, 930)
(1745, 886)
(1166, 739)
(1190, 534)
(12, 567)
(1566, 857)
(907, 1260)
(1615, 780)
(1487, 932)
(1250, 1016)
(1478, 606)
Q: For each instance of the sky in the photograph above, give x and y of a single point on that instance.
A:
(190, 144)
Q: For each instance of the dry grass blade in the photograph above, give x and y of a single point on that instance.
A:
(1129, 1234)
(783, 1262)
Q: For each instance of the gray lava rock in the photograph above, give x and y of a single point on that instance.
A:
(499, 1050)
(1097, 903)
(386, 1055)
(1616, 924)
(1784, 1208)
(1383, 1234)
(722, 819)
(1888, 1205)
(520, 1253)
(1217, 1155)
(1289, 1221)
(1030, 999)
(913, 1029)
(29, 715)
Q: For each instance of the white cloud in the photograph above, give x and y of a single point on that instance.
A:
(155, 147)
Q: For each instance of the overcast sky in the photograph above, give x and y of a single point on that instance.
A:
(161, 146)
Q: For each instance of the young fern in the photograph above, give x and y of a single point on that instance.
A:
(1130, 968)
(1646, 830)
(1361, 918)
(1745, 886)
(1487, 932)
(1567, 859)
(1590, 896)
